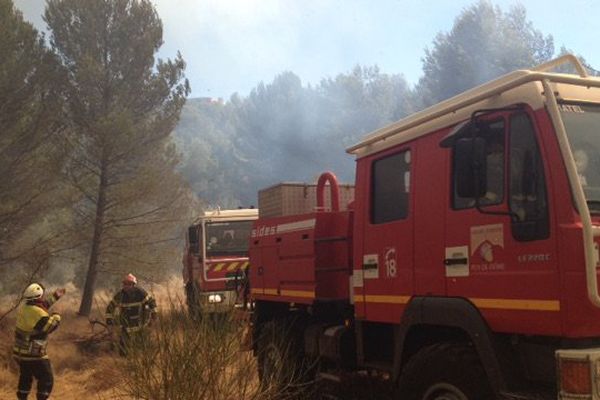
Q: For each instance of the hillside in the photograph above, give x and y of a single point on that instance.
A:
(283, 131)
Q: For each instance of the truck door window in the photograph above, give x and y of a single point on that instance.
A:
(527, 184)
(494, 143)
(390, 188)
(193, 239)
(582, 122)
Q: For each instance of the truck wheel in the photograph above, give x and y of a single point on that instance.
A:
(280, 366)
(444, 371)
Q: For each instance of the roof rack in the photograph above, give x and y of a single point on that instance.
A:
(567, 58)
(482, 92)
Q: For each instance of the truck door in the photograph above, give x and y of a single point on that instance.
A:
(500, 253)
(387, 246)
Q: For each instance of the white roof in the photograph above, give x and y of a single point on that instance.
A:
(239, 214)
(523, 86)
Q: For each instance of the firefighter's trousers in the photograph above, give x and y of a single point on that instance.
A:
(131, 341)
(39, 369)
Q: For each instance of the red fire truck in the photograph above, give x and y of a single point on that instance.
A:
(466, 266)
(216, 259)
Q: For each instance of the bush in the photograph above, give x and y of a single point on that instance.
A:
(180, 359)
(177, 359)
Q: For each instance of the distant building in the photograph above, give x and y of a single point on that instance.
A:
(210, 100)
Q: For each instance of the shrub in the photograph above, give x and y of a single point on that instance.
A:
(180, 358)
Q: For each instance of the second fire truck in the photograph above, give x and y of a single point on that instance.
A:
(215, 261)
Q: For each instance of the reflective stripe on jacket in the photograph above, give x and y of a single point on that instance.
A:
(32, 329)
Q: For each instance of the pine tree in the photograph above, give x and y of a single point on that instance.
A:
(122, 106)
(29, 159)
(484, 43)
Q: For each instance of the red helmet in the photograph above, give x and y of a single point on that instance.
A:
(130, 278)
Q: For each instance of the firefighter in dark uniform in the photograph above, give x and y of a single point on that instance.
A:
(34, 324)
(130, 311)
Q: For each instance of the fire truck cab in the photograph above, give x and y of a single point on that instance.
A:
(216, 259)
(466, 267)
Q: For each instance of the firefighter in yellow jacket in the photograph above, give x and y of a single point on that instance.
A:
(34, 324)
(130, 310)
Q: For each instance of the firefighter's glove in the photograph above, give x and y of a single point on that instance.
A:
(56, 317)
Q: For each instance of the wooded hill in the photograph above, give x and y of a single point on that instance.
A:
(287, 131)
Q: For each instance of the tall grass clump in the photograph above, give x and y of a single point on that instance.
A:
(180, 358)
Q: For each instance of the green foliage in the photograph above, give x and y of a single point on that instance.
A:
(211, 158)
(284, 131)
(484, 43)
(122, 106)
(353, 105)
(30, 161)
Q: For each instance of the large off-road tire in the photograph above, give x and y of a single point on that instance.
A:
(444, 371)
(281, 366)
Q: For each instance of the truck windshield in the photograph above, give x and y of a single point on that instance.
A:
(227, 238)
(582, 122)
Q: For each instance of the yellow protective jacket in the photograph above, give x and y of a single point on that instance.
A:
(33, 326)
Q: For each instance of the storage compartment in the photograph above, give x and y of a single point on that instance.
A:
(291, 198)
(302, 258)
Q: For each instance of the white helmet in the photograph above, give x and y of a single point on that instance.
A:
(33, 291)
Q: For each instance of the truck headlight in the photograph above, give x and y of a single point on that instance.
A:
(215, 298)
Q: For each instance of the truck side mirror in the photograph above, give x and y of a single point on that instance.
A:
(470, 167)
(193, 239)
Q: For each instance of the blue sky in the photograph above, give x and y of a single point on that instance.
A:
(232, 45)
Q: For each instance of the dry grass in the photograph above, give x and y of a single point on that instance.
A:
(183, 359)
(81, 371)
(182, 355)
(77, 375)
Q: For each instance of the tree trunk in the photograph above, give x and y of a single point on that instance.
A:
(90, 280)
